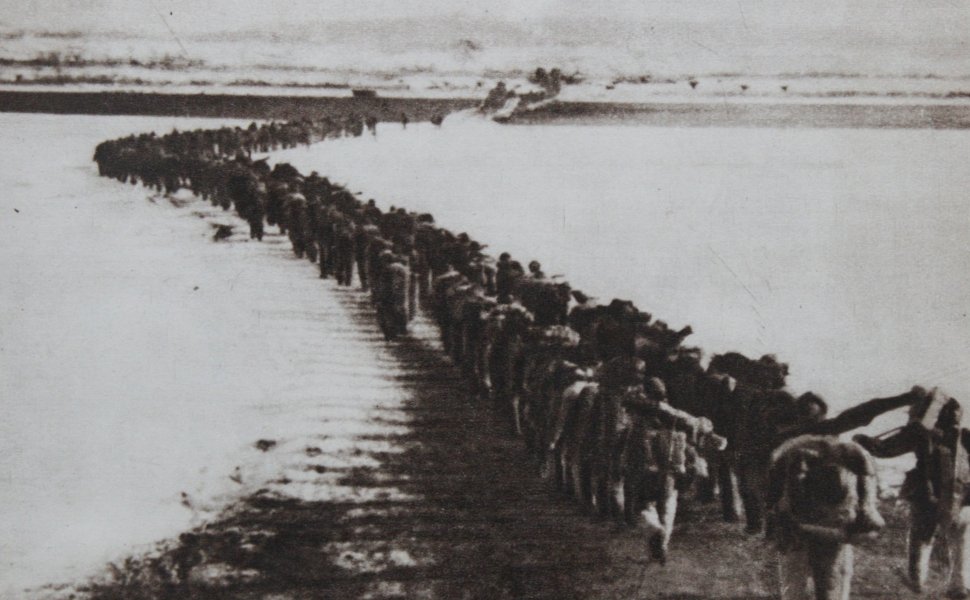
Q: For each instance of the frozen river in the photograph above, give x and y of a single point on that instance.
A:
(141, 361)
(843, 251)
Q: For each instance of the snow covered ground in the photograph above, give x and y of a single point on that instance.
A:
(141, 362)
(438, 62)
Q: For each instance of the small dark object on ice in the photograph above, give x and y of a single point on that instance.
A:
(16, 210)
(265, 445)
(313, 451)
(222, 232)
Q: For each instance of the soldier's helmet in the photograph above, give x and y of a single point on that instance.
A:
(811, 407)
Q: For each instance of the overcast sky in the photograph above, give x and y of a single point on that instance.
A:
(861, 31)
(905, 17)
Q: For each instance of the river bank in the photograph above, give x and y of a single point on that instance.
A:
(226, 105)
(679, 111)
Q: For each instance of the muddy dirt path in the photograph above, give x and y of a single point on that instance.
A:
(404, 486)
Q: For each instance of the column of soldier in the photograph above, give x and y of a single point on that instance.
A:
(609, 401)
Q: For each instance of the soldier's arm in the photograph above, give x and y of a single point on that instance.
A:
(676, 418)
(901, 442)
(852, 418)
(861, 414)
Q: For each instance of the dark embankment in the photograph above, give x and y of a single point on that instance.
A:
(734, 114)
(227, 105)
(914, 116)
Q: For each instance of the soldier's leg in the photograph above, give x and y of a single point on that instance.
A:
(424, 285)
(483, 370)
(600, 487)
(338, 266)
(794, 574)
(633, 496)
(752, 489)
(920, 544)
(362, 270)
(412, 296)
(330, 253)
(707, 487)
(869, 519)
(382, 320)
(616, 482)
(728, 484)
(349, 268)
(864, 467)
(958, 546)
(667, 508)
(831, 570)
(324, 259)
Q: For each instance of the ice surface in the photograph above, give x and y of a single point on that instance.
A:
(843, 251)
(141, 361)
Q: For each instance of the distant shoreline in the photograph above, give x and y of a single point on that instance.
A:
(754, 114)
(685, 114)
(226, 105)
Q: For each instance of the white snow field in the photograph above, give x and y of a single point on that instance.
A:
(139, 360)
(843, 251)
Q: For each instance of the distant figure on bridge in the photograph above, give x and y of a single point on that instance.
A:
(496, 98)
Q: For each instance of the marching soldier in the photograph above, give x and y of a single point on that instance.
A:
(938, 488)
